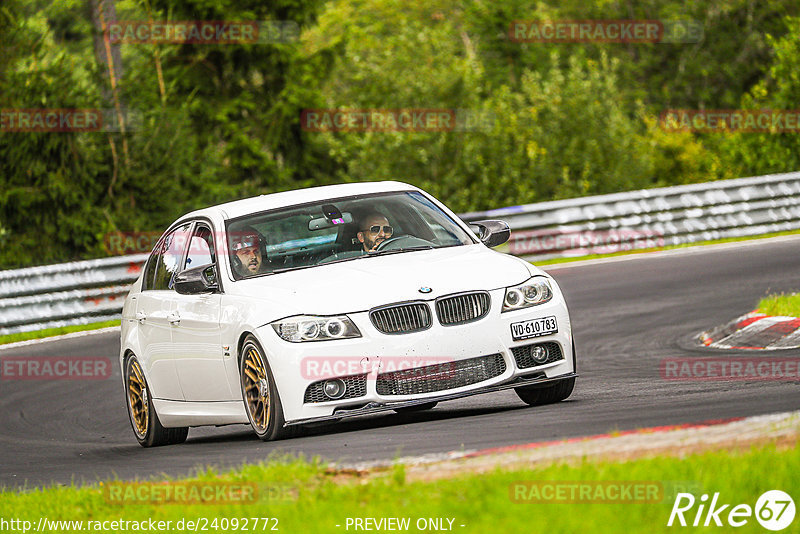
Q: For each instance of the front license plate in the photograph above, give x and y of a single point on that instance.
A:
(534, 328)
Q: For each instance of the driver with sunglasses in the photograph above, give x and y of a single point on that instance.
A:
(375, 229)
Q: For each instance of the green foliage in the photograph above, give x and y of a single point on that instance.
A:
(221, 131)
(561, 130)
(52, 184)
(770, 152)
(563, 119)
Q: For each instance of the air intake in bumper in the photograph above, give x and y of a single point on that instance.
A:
(440, 377)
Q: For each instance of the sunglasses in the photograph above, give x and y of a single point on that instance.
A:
(376, 229)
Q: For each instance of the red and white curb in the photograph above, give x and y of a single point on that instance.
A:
(755, 331)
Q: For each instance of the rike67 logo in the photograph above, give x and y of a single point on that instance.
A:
(774, 510)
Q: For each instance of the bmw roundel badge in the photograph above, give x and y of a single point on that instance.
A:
(425, 290)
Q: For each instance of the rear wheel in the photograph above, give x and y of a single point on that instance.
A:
(146, 426)
(417, 407)
(538, 396)
(260, 394)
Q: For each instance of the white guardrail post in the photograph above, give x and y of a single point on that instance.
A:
(91, 291)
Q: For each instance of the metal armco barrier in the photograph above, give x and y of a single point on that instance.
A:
(91, 291)
(651, 217)
(65, 294)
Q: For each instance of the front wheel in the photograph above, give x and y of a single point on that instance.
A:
(539, 396)
(260, 394)
(146, 426)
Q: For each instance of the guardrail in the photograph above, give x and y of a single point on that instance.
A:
(91, 291)
(651, 217)
(65, 294)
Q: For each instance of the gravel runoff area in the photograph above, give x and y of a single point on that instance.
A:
(781, 429)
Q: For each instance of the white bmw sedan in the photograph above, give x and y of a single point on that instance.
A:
(319, 304)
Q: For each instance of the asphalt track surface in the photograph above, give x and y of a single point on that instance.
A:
(627, 316)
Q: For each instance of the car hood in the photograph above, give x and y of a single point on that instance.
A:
(363, 283)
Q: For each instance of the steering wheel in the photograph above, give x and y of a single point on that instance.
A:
(402, 241)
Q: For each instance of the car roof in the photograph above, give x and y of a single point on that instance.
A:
(238, 208)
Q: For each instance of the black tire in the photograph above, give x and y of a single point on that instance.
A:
(260, 394)
(539, 396)
(142, 414)
(417, 407)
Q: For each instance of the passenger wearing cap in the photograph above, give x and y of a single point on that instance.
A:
(248, 247)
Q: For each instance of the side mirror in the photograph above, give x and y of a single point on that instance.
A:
(492, 233)
(197, 280)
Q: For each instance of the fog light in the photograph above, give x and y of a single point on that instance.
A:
(334, 389)
(539, 354)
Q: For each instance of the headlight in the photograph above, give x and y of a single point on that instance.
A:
(314, 328)
(535, 291)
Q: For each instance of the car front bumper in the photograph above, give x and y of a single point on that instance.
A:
(296, 366)
(376, 407)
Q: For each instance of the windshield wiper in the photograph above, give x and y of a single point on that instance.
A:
(398, 250)
(367, 255)
(286, 269)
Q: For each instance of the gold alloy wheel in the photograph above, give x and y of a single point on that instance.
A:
(256, 389)
(137, 398)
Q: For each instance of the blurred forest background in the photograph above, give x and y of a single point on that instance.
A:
(221, 122)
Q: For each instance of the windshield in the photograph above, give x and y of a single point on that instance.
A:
(339, 230)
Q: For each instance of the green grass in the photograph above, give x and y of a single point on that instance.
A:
(670, 247)
(315, 500)
(782, 304)
(48, 332)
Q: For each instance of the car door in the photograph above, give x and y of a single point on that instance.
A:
(154, 307)
(197, 336)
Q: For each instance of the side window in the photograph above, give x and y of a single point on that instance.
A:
(169, 257)
(150, 269)
(201, 248)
